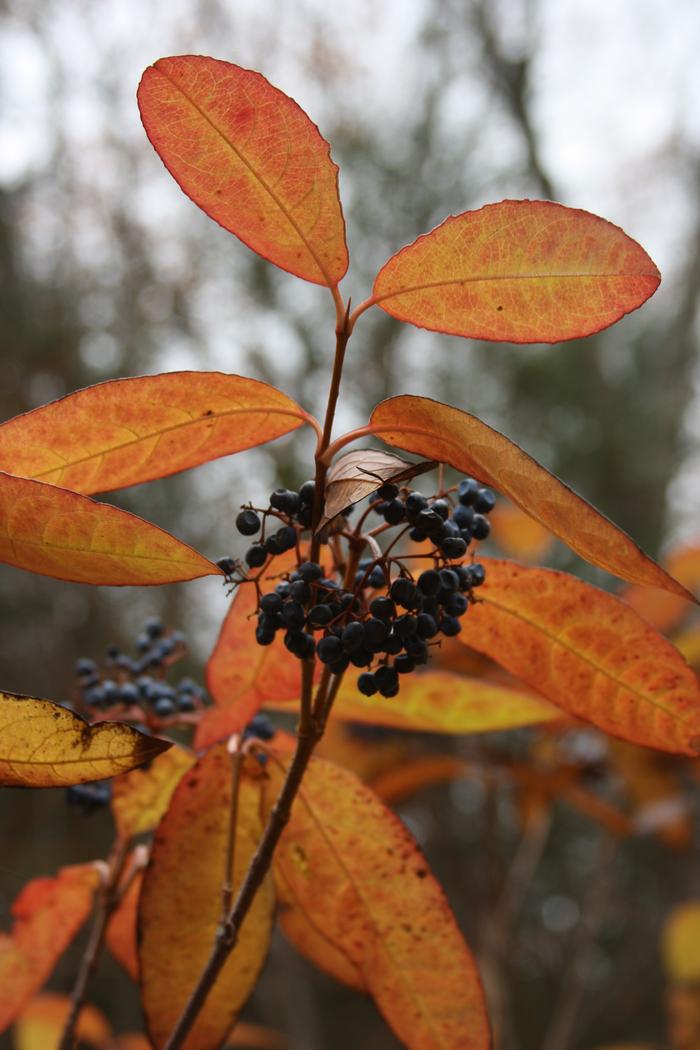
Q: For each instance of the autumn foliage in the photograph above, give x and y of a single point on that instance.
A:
(241, 828)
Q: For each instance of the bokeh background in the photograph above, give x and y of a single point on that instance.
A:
(106, 270)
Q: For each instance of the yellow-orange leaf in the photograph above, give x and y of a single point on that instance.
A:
(180, 904)
(681, 943)
(587, 652)
(440, 702)
(354, 868)
(47, 745)
(54, 532)
(518, 272)
(41, 1024)
(241, 674)
(47, 915)
(449, 435)
(127, 431)
(251, 158)
(299, 928)
(140, 798)
(120, 936)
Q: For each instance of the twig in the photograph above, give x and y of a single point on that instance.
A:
(227, 886)
(107, 898)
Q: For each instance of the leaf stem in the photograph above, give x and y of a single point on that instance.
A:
(107, 898)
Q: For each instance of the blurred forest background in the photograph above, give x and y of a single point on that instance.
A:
(431, 107)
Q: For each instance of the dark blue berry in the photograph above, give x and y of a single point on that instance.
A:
(394, 512)
(405, 626)
(261, 727)
(300, 591)
(417, 535)
(428, 582)
(403, 592)
(340, 665)
(293, 615)
(256, 556)
(285, 500)
(366, 684)
(393, 645)
(307, 493)
(404, 664)
(417, 649)
(361, 657)
(453, 547)
(477, 574)
(271, 603)
(386, 678)
(450, 626)
(376, 578)
(449, 580)
(463, 516)
(84, 668)
(320, 615)
(248, 523)
(441, 507)
(353, 637)
(164, 706)
(185, 703)
(329, 649)
(485, 501)
(480, 527)
(426, 627)
(129, 693)
(456, 604)
(264, 634)
(227, 566)
(310, 571)
(415, 503)
(300, 644)
(383, 608)
(376, 631)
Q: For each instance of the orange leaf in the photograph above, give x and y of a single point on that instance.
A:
(58, 533)
(180, 904)
(440, 702)
(41, 1024)
(518, 272)
(47, 915)
(429, 428)
(127, 431)
(665, 611)
(588, 652)
(395, 785)
(47, 745)
(351, 865)
(140, 798)
(250, 158)
(241, 674)
(120, 936)
(300, 930)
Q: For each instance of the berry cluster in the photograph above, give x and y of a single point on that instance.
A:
(385, 620)
(140, 682)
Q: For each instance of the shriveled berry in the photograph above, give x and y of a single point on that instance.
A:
(353, 637)
(383, 608)
(366, 684)
(329, 649)
(481, 527)
(248, 523)
(256, 556)
(467, 491)
(227, 566)
(485, 501)
(449, 580)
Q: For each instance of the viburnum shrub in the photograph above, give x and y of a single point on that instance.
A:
(339, 606)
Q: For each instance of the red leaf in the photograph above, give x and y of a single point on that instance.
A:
(249, 156)
(47, 915)
(587, 652)
(518, 272)
(429, 428)
(58, 533)
(127, 431)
